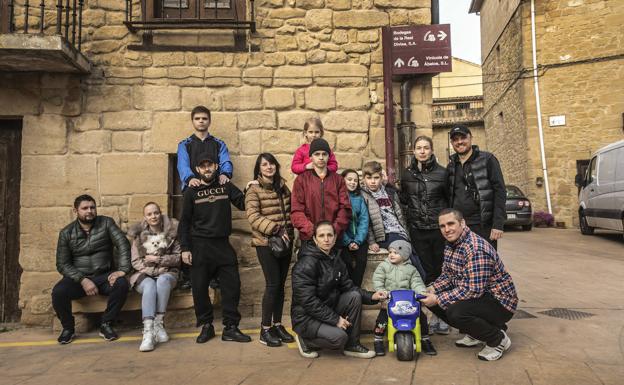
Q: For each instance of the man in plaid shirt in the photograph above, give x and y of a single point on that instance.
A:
(474, 293)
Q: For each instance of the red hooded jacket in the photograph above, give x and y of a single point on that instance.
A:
(315, 199)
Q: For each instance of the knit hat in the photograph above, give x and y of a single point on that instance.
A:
(319, 144)
(403, 248)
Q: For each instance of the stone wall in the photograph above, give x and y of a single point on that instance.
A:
(495, 15)
(110, 134)
(503, 104)
(579, 52)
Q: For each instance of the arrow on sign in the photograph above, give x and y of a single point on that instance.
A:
(441, 35)
(399, 63)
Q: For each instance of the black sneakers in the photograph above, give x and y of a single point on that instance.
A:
(107, 332)
(281, 332)
(207, 332)
(233, 333)
(305, 350)
(66, 336)
(269, 338)
(427, 347)
(380, 349)
(358, 351)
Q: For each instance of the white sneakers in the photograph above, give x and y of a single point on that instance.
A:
(149, 337)
(467, 342)
(489, 353)
(159, 329)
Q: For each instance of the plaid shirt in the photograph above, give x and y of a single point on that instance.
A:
(472, 268)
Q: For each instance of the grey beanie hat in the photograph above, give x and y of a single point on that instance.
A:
(403, 248)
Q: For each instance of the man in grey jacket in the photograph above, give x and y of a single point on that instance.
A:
(84, 256)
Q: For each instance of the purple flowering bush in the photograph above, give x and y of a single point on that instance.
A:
(543, 219)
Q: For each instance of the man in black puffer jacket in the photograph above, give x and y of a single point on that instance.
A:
(424, 191)
(326, 305)
(84, 256)
(476, 186)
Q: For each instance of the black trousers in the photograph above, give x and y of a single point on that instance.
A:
(275, 272)
(429, 246)
(482, 318)
(484, 231)
(67, 290)
(358, 257)
(215, 257)
(382, 323)
(332, 337)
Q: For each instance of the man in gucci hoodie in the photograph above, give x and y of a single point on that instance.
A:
(204, 231)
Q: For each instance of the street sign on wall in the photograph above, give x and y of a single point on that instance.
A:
(418, 49)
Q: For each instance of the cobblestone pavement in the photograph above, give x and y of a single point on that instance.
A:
(556, 272)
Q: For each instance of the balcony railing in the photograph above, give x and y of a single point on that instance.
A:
(36, 17)
(468, 111)
(189, 14)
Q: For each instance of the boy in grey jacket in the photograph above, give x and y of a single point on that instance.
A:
(398, 273)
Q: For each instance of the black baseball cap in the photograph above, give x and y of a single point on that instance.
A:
(205, 157)
(460, 129)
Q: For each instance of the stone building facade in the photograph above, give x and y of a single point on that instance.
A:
(457, 99)
(113, 132)
(580, 57)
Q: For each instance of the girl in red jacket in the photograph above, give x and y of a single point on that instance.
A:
(312, 129)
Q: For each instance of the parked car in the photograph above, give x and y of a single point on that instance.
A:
(601, 199)
(519, 210)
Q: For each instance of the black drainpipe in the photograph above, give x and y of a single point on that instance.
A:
(435, 12)
(406, 128)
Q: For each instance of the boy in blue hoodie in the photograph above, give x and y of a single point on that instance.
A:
(202, 142)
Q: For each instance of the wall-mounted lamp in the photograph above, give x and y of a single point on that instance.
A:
(539, 181)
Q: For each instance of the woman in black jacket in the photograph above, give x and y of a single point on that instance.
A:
(424, 190)
(326, 305)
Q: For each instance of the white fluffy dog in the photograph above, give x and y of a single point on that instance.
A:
(155, 244)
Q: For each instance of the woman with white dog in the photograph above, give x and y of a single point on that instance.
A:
(156, 259)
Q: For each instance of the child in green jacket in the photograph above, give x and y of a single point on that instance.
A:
(397, 273)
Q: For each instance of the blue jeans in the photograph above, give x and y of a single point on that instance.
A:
(391, 237)
(155, 294)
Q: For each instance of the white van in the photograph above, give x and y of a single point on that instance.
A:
(601, 200)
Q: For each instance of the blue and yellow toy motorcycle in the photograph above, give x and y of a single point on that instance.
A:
(404, 323)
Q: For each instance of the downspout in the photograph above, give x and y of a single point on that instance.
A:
(406, 104)
(538, 108)
(406, 127)
(435, 12)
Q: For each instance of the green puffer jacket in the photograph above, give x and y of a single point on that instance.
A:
(388, 277)
(79, 255)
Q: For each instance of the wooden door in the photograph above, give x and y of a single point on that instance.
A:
(10, 270)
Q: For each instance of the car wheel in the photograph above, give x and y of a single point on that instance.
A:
(527, 227)
(586, 229)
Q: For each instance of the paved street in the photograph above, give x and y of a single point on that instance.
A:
(552, 269)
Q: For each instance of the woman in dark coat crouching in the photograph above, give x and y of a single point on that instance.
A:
(326, 305)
